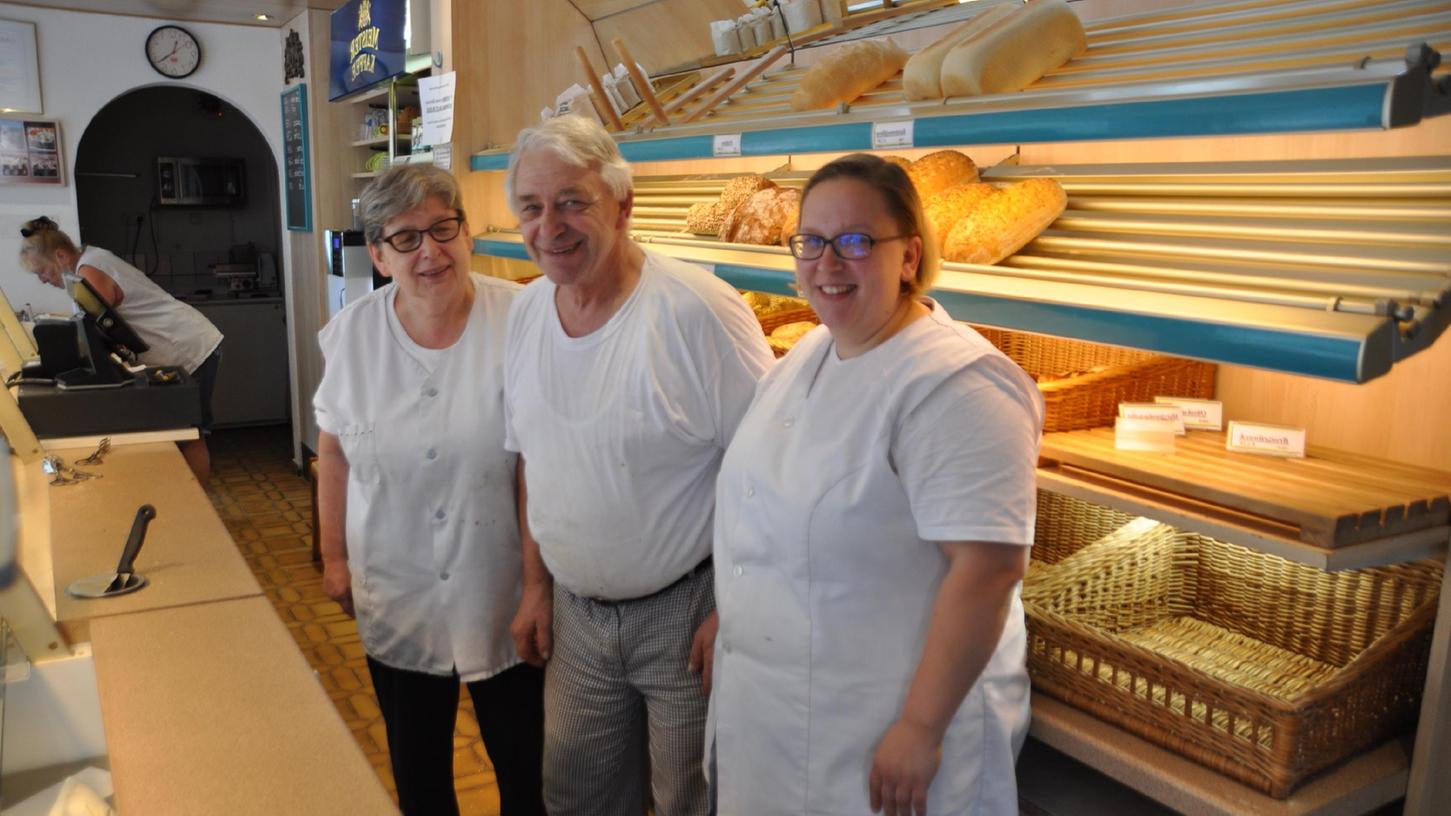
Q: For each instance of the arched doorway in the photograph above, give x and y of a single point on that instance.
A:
(221, 256)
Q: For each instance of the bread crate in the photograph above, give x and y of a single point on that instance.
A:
(1264, 670)
(1083, 383)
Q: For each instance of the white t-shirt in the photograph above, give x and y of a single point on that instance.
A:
(432, 526)
(842, 477)
(177, 334)
(622, 430)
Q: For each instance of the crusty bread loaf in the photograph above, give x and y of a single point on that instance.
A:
(1009, 52)
(705, 217)
(938, 171)
(789, 207)
(850, 71)
(740, 188)
(1003, 224)
(901, 161)
(922, 77)
(784, 337)
(945, 209)
(759, 220)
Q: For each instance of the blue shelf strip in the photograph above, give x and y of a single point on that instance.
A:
(1317, 109)
(1344, 358)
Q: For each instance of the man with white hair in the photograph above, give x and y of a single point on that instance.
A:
(626, 374)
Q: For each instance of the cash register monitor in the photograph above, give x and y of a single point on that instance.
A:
(77, 352)
(113, 329)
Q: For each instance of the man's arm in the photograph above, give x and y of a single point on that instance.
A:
(533, 625)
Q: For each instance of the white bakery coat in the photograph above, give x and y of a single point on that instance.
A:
(432, 526)
(840, 479)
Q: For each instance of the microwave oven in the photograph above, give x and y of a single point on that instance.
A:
(194, 182)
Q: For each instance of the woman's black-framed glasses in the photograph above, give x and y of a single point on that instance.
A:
(441, 231)
(849, 246)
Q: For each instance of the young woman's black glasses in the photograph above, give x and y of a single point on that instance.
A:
(849, 246)
(408, 240)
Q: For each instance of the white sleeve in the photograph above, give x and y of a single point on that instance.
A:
(967, 456)
(741, 358)
(326, 401)
(511, 352)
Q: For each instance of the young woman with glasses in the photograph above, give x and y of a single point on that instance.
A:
(416, 507)
(873, 517)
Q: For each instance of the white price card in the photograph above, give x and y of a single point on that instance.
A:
(1273, 440)
(887, 135)
(726, 144)
(1199, 414)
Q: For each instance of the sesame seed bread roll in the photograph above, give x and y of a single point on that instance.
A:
(705, 217)
(850, 71)
(1013, 51)
(740, 188)
(938, 171)
(945, 209)
(1006, 222)
(922, 78)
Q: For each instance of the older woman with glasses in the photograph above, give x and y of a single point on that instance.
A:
(416, 503)
(873, 517)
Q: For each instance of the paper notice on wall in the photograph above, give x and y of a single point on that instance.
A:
(435, 96)
(443, 156)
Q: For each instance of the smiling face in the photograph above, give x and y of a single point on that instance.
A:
(854, 298)
(434, 272)
(574, 228)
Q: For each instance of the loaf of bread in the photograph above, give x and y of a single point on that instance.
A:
(740, 188)
(1005, 52)
(761, 219)
(850, 71)
(784, 337)
(790, 209)
(945, 209)
(705, 217)
(1004, 223)
(922, 76)
(938, 171)
(901, 161)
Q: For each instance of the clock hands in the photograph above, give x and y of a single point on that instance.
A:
(174, 49)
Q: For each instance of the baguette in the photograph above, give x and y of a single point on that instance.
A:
(1005, 223)
(922, 78)
(1012, 51)
(945, 209)
(847, 73)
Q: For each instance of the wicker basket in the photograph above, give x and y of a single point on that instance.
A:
(1091, 400)
(776, 320)
(1264, 670)
(1066, 525)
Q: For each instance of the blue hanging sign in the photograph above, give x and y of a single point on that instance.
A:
(367, 45)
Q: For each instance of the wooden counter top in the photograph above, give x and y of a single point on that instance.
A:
(188, 557)
(210, 708)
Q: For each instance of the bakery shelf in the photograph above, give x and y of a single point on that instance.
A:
(1360, 785)
(1333, 269)
(1212, 70)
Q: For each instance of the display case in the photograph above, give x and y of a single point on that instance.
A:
(1277, 255)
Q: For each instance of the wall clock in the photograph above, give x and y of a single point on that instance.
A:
(173, 51)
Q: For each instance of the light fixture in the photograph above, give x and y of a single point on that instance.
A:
(262, 17)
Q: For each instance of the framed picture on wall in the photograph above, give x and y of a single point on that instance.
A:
(19, 68)
(30, 152)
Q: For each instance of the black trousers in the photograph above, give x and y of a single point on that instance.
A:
(419, 711)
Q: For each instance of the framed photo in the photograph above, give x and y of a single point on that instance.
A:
(19, 68)
(30, 152)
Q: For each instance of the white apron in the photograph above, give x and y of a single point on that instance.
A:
(825, 592)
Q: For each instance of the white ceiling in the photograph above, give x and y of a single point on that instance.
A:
(197, 11)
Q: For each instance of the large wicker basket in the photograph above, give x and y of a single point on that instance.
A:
(1264, 670)
(1090, 399)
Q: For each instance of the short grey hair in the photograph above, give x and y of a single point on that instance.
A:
(400, 189)
(579, 141)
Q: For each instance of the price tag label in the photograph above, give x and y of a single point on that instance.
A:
(1274, 440)
(888, 135)
(726, 144)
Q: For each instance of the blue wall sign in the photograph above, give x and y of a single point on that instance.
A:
(367, 45)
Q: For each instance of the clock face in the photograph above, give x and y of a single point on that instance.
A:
(173, 51)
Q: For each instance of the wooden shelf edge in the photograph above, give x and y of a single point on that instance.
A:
(1393, 549)
(365, 175)
(1360, 785)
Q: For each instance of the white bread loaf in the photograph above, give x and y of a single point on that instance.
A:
(922, 78)
(1003, 224)
(1012, 51)
(850, 71)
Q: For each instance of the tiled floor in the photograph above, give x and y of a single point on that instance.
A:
(267, 507)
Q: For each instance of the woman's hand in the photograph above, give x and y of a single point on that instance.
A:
(337, 583)
(903, 768)
(702, 651)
